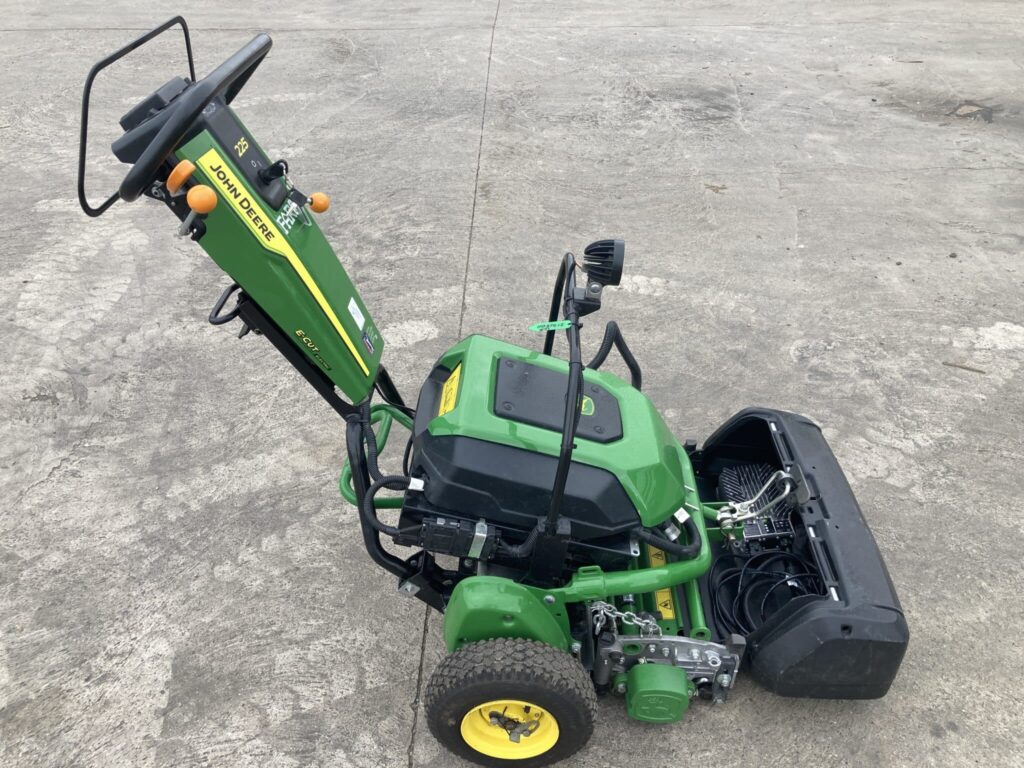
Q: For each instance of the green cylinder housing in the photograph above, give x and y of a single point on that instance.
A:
(657, 693)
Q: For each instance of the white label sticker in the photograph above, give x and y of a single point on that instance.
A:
(353, 309)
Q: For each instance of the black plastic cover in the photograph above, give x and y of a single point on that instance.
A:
(143, 122)
(153, 103)
(512, 487)
(508, 486)
(533, 395)
(849, 643)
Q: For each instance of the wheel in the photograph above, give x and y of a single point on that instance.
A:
(510, 701)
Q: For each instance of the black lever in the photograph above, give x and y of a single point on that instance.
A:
(273, 171)
(217, 314)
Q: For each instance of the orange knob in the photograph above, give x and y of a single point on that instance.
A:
(201, 199)
(181, 173)
(319, 202)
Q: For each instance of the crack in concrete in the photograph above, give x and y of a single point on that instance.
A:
(476, 178)
(419, 687)
(65, 459)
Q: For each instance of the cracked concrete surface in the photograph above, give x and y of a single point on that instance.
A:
(822, 207)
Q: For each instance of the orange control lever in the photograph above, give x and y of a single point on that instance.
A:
(319, 202)
(182, 172)
(201, 199)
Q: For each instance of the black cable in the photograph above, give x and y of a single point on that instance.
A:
(787, 580)
(393, 482)
(760, 574)
(573, 397)
(556, 303)
(613, 337)
(745, 580)
(686, 551)
(410, 412)
(369, 513)
(407, 455)
(519, 551)
(715, 583)
(756, 584)
(370, 440)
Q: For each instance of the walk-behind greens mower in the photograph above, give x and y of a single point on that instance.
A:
(574, 546)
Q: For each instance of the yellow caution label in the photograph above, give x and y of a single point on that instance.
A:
(450, 392)
(663, 600)
(269, 236)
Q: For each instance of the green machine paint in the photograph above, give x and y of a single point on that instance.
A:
(575, 547)
(281, 259)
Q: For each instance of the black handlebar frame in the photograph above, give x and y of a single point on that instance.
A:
(96, 69)
(227, 79)
(566, 285)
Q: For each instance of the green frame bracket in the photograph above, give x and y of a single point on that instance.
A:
(485, 607)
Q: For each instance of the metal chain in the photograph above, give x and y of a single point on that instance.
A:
(603, 612)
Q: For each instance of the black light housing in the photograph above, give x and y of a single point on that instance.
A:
(602, 261)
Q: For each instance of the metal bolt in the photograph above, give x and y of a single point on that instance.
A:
(725, 680)
(576, 647)
(652, 648)
(620, 688)
(695, 654)
(665, 651)
(549, 599)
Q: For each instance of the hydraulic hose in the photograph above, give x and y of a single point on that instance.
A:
(518, 551)
(371, 442)
(613, 337)
(556, 302)
(366, 509)
(686, 551)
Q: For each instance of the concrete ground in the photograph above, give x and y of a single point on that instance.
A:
(822, 204)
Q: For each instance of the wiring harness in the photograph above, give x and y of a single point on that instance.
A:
(747, 590)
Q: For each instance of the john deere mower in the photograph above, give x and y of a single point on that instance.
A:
(575, 548)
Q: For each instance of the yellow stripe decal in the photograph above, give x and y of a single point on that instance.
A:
(663, 597)
(262, 226)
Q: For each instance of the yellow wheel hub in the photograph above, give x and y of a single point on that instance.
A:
(510, 729)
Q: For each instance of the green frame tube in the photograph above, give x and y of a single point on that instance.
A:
(591, 583)
(695, 609)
